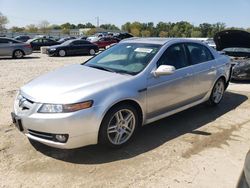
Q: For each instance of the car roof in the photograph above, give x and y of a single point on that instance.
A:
(157, 40)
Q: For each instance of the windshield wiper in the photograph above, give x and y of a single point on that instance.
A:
(101, 68)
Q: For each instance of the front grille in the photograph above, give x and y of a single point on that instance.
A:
(46, 136)
(24, 104)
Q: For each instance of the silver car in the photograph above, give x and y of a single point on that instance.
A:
(133, 83)
(14, 48)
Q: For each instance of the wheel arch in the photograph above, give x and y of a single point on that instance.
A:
(129, 102)
(119, 103)
(13, 53)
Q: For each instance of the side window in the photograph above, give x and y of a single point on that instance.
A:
(4, 41)
(199, 53)
(37, 41)
(175, 56)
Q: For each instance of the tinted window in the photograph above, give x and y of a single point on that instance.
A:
(48, 41)
(4, 41)
(37, 41)
(80, 42)
(175, 56)
(199, 53)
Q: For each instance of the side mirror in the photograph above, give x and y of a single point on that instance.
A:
(164, 70)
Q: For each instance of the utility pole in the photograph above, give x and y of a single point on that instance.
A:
(97, 19)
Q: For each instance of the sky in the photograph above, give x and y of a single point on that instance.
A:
(235, 13)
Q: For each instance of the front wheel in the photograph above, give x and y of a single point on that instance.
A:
(118, 126)
(217, 92)
(62, 53)
(91, 52)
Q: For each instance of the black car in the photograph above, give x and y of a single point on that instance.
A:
(122, 36)
(62, 40)
(73, 47)
(37, 43)
(236, 44)
(22, 38)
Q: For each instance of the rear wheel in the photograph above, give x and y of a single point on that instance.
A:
(18, 54)
(217, 92)
(91, 52)
(118, 126)
(62, 53)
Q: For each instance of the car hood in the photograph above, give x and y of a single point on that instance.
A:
(71, 84)
(232, 39)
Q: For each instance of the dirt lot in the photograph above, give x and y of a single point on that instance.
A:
(200, 147)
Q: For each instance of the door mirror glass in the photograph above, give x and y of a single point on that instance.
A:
(164, 70)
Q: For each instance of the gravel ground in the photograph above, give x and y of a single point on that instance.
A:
(200, 147)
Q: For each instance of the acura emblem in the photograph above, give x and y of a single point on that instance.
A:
(21, 101)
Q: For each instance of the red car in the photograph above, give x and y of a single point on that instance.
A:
(103, 42)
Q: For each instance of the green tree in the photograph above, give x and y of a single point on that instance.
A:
(127, 27)
(54, 26)
(44, 26)
(92, 31)
(81, 26)
(16, 29)
(31, 28)
(89, 25)
(110, 27)
(145, 33)
(163, 34)
(135, 32)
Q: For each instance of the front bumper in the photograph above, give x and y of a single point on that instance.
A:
(81, 127)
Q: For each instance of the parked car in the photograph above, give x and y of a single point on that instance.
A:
(236, 44)
(73, 47)
(122, 36)
(22, 38)
(14, 48)
(62, 40)
(103, 42)
(244, 181)
(83, 37)
(106, 99)
(37, 43)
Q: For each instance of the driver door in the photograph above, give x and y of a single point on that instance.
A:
(169, 92)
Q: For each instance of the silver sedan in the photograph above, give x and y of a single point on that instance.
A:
(106, 99)
(14, 48)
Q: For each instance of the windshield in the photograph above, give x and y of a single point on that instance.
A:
(125, 58)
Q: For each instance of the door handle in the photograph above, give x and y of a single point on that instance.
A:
(189, 74)
(213, 68)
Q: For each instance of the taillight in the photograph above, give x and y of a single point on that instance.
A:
(28, 46)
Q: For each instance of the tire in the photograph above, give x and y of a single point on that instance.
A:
(217, 92)
(18, 54)
(91, 52)
(62, 53)
(115, 130)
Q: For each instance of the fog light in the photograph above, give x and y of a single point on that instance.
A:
(61, 137)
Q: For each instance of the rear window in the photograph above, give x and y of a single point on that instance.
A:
(199, 53)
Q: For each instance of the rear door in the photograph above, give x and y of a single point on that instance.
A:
(5, 47)
(203, 65)
(36, 44)
(81, 46)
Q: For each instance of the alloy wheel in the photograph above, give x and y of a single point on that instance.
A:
(218, 91)
(121, 126)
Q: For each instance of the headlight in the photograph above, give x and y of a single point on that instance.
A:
(64, 108)
(52, 49)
